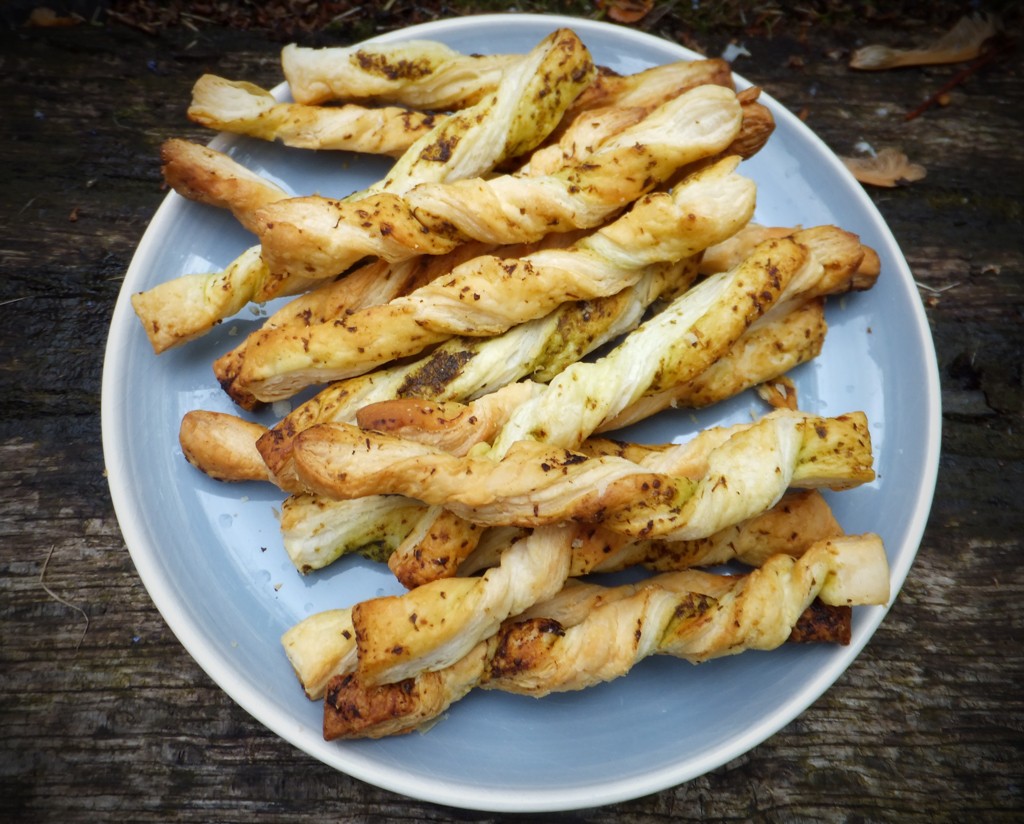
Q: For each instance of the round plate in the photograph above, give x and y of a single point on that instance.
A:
(210, 554)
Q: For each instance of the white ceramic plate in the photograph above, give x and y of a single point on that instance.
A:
(211, 557)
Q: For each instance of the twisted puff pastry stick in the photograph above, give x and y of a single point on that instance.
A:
(523, 110)
(421, 74)
(244, 108)
(324, 644)
(488, 295)
(688, 615)
(426, 74)
(372, 284)
(535, 484)
(800, 518)
(211, 177)
(601, 110)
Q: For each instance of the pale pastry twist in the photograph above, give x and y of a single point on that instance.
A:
(371, 284)
(689, 615)
(186, 308)
(800, 518)
(421, 74)
(244, 108)
(616, 102)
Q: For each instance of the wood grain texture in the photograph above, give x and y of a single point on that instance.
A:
(113, 720)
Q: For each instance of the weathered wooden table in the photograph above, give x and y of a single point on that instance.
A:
(104, 715)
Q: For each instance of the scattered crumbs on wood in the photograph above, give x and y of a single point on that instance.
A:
(56, 597)
(73, 217)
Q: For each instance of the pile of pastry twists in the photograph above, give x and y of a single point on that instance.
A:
(557, 252)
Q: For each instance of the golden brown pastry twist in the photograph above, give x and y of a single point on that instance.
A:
(536, 484)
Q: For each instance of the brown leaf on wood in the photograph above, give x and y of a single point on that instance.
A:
(627, 11)
(963, 42)
(45, 18)
(888, 168)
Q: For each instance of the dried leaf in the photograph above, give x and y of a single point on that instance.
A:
(628, 11)
(45, 18)
(890, 167)
(963, 42)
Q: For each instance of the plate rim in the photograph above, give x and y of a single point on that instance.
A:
(460, 794)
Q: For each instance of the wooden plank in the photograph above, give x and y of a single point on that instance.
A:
(116, 720)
